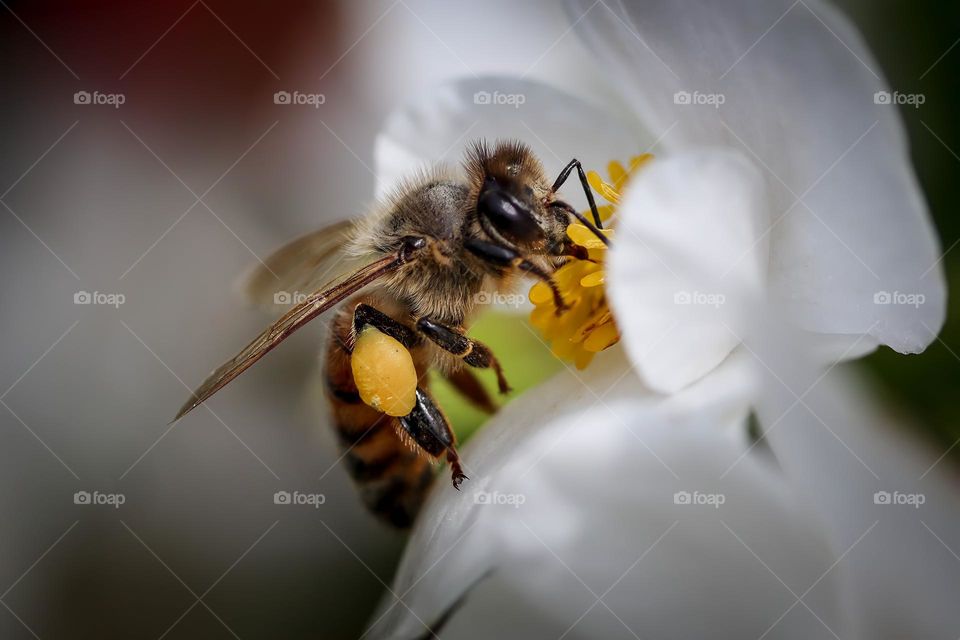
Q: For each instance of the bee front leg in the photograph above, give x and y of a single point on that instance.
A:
(429, 428)
(473, 352)
(575, 164)
(507, 258)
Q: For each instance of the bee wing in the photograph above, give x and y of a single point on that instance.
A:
(315, 304)
(302, 265)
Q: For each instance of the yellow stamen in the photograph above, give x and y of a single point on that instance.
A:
(540, 293)
(605, 211)
(617, 174)
(585, 237)
(594, 279)
(637, 162)
(601, 187)
(588, 326)
(604, 336)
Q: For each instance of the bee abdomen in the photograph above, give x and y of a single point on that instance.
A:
(398, 493)
(392, 478)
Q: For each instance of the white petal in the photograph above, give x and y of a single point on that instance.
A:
(438, 125)
(592, 484)
(899, 562)
(798, 89)
(688, 263)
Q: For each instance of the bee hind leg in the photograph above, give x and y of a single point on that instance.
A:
(429, 428)
(468, 385)
(425, 424)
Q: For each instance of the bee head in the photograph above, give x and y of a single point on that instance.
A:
(511, 196)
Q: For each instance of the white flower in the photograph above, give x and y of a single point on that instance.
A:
(841, 209)
(750, 257)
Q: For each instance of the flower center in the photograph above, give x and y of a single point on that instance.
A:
(588, 326)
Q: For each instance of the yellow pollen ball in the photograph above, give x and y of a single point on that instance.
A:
(384, 373)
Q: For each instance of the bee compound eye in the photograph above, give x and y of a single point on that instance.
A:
(509, 215)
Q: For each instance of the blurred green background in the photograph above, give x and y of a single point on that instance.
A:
(525, 357)
(918, 46)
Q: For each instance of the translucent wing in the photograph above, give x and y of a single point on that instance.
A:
(302, 313)
(299, 267)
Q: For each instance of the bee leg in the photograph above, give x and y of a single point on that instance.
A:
(507, 257)
(467, 384)
(575, 164)
(473, 352)
(364, 315)
(580, 217)
(429, 428)
(574, 250)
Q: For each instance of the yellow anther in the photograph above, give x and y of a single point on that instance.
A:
(602, 337)
(605, 211)
(588, 326)
(540, 293)
(594, 279)
(638, 162)
(601, 187)
(617, 173)
(585, 237)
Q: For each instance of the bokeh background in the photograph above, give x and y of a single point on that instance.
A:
(168, 198)
(918, 47)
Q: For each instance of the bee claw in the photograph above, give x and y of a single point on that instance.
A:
(502, 384)
(456, 470)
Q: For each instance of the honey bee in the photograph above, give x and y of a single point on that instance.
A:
(440, 243)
